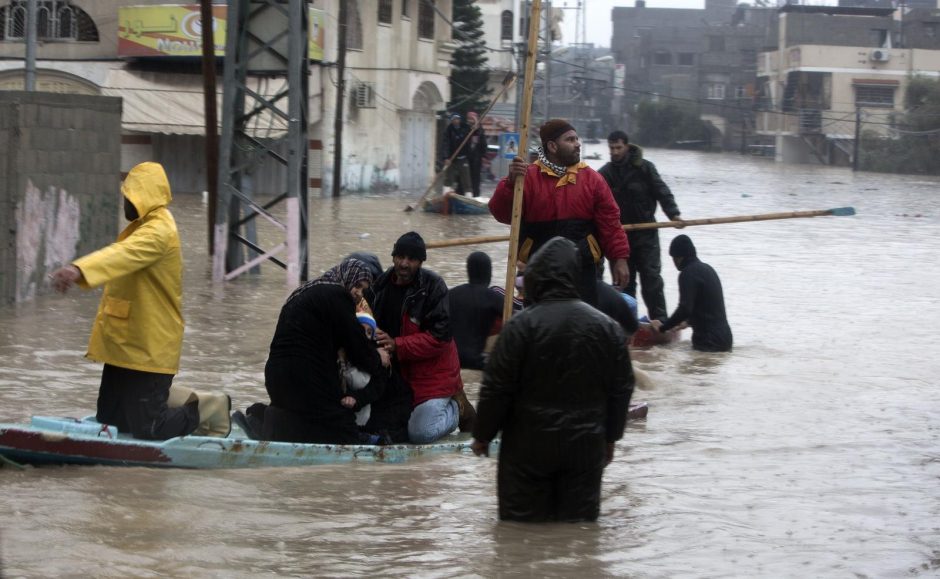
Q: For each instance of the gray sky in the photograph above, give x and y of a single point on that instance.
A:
(598, 16)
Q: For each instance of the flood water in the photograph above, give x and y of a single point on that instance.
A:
(812, 450)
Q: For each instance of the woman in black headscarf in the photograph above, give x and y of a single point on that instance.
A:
(301, 374)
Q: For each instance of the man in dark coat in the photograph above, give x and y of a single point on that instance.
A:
(458, 172)
(637, 188)
(476, 311)
(558, 385)
(701, 300)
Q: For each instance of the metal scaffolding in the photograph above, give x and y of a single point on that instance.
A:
(265, 39)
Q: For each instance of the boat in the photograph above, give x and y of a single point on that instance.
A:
(56, 440)
(61, 440)
(452, 203)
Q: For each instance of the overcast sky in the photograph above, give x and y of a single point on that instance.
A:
(598, 16)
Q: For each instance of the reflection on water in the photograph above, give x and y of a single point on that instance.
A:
(811, 450)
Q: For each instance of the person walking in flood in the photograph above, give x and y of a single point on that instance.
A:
(563, 196)
(138, 330)
(558, 386)
(637, 188)
(701, 300)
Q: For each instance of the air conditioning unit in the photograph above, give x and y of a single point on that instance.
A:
(364, 95)
(880, 55)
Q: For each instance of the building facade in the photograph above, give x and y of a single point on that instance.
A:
(832, 67)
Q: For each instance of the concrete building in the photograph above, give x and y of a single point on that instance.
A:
(834, 65)
(703, 57)
(86, 47)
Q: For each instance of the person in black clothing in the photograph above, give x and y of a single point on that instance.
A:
(459, 168)
(301, 374)
(477, 149)
(476, 311)
(637, 188)
(701, 300)
(558, 385)
(612, 302)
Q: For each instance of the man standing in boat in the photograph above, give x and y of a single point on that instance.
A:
(637, 188)
(410, 307)
(458, 172)
(564, 197)
(138, 332)
(701, 300)
(476, 311)
(558, 385)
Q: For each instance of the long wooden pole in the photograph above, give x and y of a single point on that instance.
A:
(507, 82)
(836, 212)
(533, 42)
(210, 106)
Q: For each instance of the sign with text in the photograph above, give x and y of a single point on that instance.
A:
(175, 30)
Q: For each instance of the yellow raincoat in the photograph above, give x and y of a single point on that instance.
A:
(140, 322)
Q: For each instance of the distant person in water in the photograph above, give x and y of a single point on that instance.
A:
(701, 300)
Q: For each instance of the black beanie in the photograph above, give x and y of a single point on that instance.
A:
(682, 246)
(411, 245)
(553, 129)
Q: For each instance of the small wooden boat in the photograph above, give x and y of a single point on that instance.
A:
(58, 440)
(451, 203)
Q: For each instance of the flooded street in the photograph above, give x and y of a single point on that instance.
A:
(812, 450)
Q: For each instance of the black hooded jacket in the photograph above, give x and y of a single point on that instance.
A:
(557, 384)
(702, 304)
(637, 188)
(474, 309)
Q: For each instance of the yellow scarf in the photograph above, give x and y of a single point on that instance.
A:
(570, 175)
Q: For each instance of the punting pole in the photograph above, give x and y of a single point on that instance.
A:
(526, 109)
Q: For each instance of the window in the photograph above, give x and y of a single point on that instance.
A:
(716, 44)
(686, 59)
(56, 20)
(405, 13)
(425, 19)
(505, 25)
(740, 92)
(715, 92)
(874, 95)
(385, 11)
(353, 26)
(662, 57)
(878, 37)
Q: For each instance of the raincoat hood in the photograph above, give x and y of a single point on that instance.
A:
(551, 273)
(147, 187)
(479, 268)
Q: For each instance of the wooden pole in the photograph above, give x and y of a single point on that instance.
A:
(340, 98)
(526, 108)
(210, 107)
(836, 212)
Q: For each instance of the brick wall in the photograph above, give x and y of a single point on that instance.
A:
(60, 157)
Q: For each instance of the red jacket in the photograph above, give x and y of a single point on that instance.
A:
(426, 351)
(544, 200)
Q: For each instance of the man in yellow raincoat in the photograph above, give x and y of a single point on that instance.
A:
(138, 331)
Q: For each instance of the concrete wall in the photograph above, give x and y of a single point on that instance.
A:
(60, 175)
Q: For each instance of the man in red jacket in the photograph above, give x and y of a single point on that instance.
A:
(410, 306)
(564, 197)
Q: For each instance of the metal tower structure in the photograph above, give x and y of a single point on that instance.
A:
(264, 118)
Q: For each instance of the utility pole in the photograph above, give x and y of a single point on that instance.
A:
(209, 104)
(29, 83)
(340, 92)
(858, 131)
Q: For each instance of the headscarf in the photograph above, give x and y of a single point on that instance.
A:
(348, 274)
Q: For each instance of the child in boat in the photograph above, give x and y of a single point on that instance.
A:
(353, 380)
